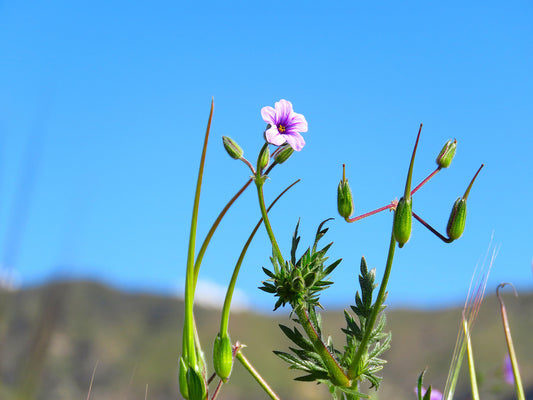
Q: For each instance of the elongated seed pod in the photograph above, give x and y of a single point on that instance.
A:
(402, 221)
(456, 222)
(223, 357)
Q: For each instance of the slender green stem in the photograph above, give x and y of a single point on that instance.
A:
(353, 372)
(224, 321)
(335, 371)
(211, 232)
(512, 355)
(259, 379)
(337, 375)
(188, 330)
(259, 180)
(471, 365)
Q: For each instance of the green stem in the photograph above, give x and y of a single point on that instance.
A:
(259, 181)
(188, 330)
(259, 379)
(471, 366)
(337, 375)
(334, 369)
(512, 355)
(353, 372)
(231, 287)
(209, 235)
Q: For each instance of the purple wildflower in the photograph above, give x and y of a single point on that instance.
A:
(508, 370)
(285, 125)
(435, 394)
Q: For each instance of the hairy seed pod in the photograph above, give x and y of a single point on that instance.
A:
(182, 378)
(456, 223)
(263, 158)
(445, 157)
(344, 197)
(223, 357)
(233, 149)
(402, 221)
(196, 385)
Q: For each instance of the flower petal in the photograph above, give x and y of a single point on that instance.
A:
(283, 112)
(273, 136)
(295, 140)
(269, 115)
(297, 123)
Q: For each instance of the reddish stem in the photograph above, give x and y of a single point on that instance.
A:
(433, 230)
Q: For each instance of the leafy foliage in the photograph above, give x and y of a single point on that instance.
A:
(299, 282)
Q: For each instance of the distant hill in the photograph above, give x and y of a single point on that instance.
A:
(52, 337)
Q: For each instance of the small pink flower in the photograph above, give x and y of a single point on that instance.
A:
(285, 125)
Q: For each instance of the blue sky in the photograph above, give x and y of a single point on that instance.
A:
(109, 101)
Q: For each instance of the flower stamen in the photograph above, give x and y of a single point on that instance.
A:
(281, 128)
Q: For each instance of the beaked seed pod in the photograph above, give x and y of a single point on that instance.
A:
(402, 221)
(196, 385)
(344, 197)
(182, 379)
(456, 223)
(263, 158)
(233, 149)
(445, 157)
(223, 357)
(283, 153)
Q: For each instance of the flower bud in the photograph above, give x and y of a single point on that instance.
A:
(402, 221)
(263, 158)
(456, 223)
(445, 157)
(344, 197)
(283, 153)
(182, 378)
(223, 357)
(233, 149)
(196, 385)
(298, 284)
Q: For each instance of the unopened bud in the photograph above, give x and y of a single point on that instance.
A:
(283, 153)
(196, 385)
(233, 149)
(344, 197)
(298, 284)
(263, 158)
(402, 221)
(223, 357)
(456, 223)
(445, 157)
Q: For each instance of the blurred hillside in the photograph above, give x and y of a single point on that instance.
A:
(53, 337)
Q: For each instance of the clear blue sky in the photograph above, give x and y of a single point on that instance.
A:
(109, 100)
